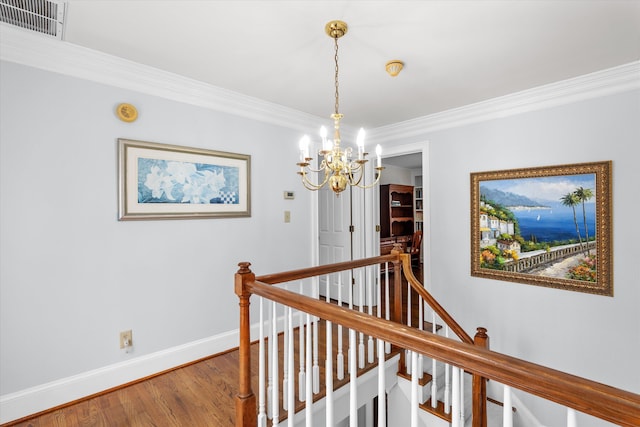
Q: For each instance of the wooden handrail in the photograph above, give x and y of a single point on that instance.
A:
(304, 273)
(602, 401)
(440, 311)
(479, 383)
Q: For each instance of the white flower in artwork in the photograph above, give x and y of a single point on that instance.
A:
(181, 172)
(203, 186)
(213, 182)
(159, 183)
(183, 182)
(191, 194)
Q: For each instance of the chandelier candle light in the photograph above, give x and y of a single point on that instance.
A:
(339, 167)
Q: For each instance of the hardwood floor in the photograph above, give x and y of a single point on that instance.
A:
(200, 394)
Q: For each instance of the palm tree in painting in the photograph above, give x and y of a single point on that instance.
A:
(584, 194)
(570, 199)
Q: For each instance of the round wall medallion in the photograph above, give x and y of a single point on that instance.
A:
(127, 112)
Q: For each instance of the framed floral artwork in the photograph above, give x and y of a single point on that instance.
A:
(161, 181)
(547, 226)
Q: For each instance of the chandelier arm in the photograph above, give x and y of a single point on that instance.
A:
(323, 167)
(310, 185)
(351, 172)
(355, 167)
(375, 182)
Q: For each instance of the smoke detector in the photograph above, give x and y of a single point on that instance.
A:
(40, 16)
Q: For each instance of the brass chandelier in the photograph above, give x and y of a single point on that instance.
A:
(339, 166)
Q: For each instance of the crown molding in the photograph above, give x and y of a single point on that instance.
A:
(35, 50)
(601, 83)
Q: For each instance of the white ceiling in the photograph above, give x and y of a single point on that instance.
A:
(456, 52)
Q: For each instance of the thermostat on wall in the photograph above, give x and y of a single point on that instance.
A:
(289, 195)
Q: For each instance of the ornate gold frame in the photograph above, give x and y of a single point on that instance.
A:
(603, 284)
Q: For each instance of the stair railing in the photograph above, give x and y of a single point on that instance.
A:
(274, 399)
(605, 402)
(451, 395)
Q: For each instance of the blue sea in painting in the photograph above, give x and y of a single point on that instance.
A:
(164, 181)
(555, 223)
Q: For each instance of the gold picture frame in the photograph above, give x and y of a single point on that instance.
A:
(546, 226)
(162, 181)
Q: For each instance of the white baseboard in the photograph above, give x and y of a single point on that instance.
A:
(49, 395)
(36, 399)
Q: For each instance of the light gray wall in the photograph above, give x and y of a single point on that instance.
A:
(395, 175)
(596, 337)
(73, 276)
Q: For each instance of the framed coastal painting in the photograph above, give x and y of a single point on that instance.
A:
(161, 181)
(547, 226)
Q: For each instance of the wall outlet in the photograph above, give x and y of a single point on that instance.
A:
(287, 216)
(126, 339)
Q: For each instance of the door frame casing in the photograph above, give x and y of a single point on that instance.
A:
(417, 147)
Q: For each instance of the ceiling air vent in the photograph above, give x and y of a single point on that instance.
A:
(41, 16)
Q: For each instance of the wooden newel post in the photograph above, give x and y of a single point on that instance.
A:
(481, 339)
(396, 314)
(246, 407)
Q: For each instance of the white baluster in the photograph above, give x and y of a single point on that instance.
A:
(269, 365)
(352, 350)
(382, 393)
(329, 375)
(369, 275)
(340, 355)
(285, 368)
(361, 335)
(379, 295)
(462, 397)
(414, 389)
(353, 378)
(420, 327)
(379, 291)
(316, 367)
(309, 382)
(455, 398)
(262, 416)
(328, 363)
(275, 397)
(447, 380)
(301, 346)
(434, 366)
(507, 413)
(387, 305)
(571, 418)
(290, 392)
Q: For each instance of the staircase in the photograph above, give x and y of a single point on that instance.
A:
(408, 396)
(440, 414)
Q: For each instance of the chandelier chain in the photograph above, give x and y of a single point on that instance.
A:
(339, 167)
(336, 77)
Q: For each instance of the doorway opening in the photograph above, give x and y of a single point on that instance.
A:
(401, 204)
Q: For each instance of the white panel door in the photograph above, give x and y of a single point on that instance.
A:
(335, 245)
